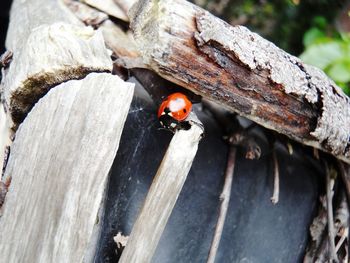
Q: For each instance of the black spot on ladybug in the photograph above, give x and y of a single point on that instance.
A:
(184, 110)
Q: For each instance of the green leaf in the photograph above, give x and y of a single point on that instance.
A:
(340, 71)
(320, 22)
(346, 89)
(322, 55)
(312, 35)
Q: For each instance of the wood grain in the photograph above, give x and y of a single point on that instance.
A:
(29, 14)
(5, 136)
(59, 164)
(243, 72)
(52, 54)
(109, 7)
(125, 4)
(162, 196)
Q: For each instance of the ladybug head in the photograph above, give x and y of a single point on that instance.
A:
(167, 121)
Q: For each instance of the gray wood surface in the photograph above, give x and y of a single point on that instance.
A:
(29, 14)
(59, 164)
(125, 4)
(51, 55)
(109, 7)
(243, 72)
(162, 196)
(50, 46)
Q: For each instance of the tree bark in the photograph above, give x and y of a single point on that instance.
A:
(243, 72)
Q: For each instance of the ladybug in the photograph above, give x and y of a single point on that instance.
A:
(174, 110)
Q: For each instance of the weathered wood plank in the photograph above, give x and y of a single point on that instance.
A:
(29, 14)
(162, 196)
(87, 14)
(51, 55)
(121, 43)
(125, 5)
(109, 7)
(243, 72)
(5, 135)
(59, 163)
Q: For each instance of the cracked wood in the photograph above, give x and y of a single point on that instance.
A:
(59, 165)
(243, 72)
(163, 194)
(52, 47)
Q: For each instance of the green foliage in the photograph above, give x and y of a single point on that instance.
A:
(329, 51)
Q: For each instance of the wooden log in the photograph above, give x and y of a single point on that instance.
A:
(109, 7)
(162, 196)
(44, 56)
(52, 54)
(88, 15)
(59, 164)
(243, 72)
(5, 138)
(125, 4)
(122, 45)
(29, 14)
(116, 39)
(52, 47)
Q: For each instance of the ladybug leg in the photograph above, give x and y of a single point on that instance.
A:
(168, 122)
(184, 125)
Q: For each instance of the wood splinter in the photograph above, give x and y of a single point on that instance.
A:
(276, 179)
(224, 200)
(330, 221)
(163, 193)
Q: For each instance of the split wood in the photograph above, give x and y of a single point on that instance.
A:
(162, 195)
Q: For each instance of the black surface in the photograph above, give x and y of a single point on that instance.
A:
(255, 230)
(4, 16)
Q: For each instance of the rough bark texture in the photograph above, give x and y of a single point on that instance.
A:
(162, 196)
(244, 72)
(59, 164)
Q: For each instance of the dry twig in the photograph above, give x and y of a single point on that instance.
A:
(343, 237)
(341, 224)
(331, 232)
(163, 193)
(224, 199)
(276, 179)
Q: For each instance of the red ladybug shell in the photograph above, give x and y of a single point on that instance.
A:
(176, 105)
